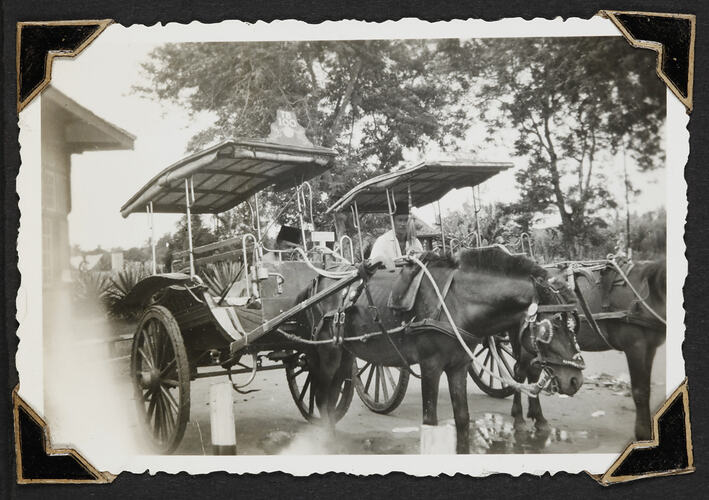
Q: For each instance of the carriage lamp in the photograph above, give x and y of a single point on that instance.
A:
(259, 273)
(279, 281)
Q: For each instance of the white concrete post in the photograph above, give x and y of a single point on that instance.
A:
(438, 439)
(221, 417)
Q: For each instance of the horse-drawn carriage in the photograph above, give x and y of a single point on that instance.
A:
(382, 388)
(186, 330)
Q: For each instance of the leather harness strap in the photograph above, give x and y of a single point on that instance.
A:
(444, 292)
(589, 316)
(375, 317)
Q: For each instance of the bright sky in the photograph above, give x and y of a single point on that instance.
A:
(100, 79)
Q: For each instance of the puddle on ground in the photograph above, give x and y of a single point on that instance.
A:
(490, 433)
(495, 433)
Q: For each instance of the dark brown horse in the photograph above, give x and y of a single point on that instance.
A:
(634, 330)
(638, 336)
(489, 291)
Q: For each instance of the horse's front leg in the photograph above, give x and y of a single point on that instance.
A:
(431, 370)
(640, 356)
(457, 384)
(520, 375)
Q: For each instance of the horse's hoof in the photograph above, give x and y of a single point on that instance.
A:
(542, 425)
(643, 434)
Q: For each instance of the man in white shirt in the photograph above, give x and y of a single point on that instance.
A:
(398, 241)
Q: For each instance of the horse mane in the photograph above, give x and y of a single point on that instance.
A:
(498, 261)
(490, 259)
(495, 259)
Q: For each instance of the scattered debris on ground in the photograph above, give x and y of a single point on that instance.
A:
(619, 384)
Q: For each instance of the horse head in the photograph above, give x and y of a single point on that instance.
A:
(520, 290)
(549, 334)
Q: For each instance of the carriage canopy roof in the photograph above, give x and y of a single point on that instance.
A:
(428, 181)
(228, 174)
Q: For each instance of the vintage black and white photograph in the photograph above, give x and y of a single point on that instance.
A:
(297, 244)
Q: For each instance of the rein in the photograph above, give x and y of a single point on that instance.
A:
(572, 268)
(620, 272)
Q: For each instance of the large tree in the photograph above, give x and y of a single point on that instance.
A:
(370, 100)
(571, 103)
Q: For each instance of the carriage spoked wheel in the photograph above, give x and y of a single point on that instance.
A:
(381, 388)
(161, 378)
(300, 383)
(487, 383)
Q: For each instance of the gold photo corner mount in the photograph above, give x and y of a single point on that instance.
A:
(19, 405)
(610, 477)
(48, 54)
(659, 48)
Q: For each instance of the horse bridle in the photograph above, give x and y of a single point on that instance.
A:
(542, 331)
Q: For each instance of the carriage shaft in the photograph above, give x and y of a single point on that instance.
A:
(274, 323)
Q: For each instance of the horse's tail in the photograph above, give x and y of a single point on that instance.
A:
(656, 275)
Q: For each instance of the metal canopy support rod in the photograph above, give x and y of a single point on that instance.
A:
(188, 202)
(149, 209)
(440, 223)
(476, 209)
(258, 226)
(356, 222)
(311, 227)
(391, 203)
(300, 196)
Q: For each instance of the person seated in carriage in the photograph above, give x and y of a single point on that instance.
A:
(398, 241)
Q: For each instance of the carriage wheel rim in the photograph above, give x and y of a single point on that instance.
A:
(158, 383)
(381, 388)
(484, 380)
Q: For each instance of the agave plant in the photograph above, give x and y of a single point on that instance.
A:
(220, 277)
(121, 284)
(91, 289)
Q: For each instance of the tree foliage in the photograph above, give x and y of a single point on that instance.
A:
(370, 99)
(572, 103)
(569, 104)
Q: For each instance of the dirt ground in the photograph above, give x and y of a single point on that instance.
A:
(598, 419)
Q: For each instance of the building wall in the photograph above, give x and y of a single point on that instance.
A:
(56, 194)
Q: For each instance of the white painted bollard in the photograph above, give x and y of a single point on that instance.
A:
(221, 418)
(438, 439)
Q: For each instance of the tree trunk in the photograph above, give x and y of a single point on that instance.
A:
(567, 223)
(336, 127)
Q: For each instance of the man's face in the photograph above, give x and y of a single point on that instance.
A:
(400, 223)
